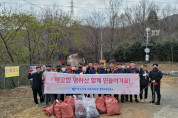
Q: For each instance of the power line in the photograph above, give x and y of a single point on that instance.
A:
(34, 4)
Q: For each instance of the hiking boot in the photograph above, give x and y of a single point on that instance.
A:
(157, 103)
(136, 101)
(131, 100)
(152, 101)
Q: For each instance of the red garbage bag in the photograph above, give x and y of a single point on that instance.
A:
(66, 99)
(57, 110)
(49, 111)
(71, 101)
(100, 104)
(112, 106)
(66, 110)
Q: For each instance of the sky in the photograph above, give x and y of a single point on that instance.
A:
(82, 8)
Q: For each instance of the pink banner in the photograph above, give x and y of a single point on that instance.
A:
(62, 83)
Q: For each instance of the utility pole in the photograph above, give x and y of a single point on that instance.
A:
(72, 7)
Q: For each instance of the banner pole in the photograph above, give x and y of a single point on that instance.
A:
(4, 82)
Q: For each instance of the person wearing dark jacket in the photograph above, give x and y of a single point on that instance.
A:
(155, 76)
(133, 70)
(96, 70)
(89, 67)
(119, 70)
(79, 70)
(37, 85)
(144, 82)
(102, 69)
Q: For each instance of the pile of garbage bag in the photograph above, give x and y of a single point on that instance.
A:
(83, 107)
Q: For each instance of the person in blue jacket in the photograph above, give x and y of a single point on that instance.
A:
(120, 71)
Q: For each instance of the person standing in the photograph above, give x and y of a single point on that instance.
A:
(133, 70)
(112, 67)
(79, 70)
(155, 76)
(144, 82)
(102, 69)
(37, 85)
(48, 97)
(119, 70)
(89, 67)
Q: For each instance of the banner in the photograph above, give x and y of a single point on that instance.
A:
(62, 83)
(33, 68)
(12, 71)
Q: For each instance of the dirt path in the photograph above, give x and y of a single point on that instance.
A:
(18, 103)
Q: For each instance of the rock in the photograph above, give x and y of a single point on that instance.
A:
(174, 73)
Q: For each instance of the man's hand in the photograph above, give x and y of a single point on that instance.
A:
(153, 81)
(30, 71)
(146, 74)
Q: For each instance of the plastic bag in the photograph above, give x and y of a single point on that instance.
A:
(66, 110)
(112, 106)
(90, 107)
(57, 110)
(49, 111)
(79, 108)
(100, 104)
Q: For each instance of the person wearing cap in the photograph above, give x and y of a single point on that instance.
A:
(119, 70)
(101, 67)
(144, 82)
(69, 68)
(107, 70)
(58, 69)
(155, 76)
(36, 85)
(133, 70)
(63, 70)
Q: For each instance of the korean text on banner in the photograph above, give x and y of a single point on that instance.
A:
(12, 71)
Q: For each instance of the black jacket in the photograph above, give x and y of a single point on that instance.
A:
(132, 70)
(119, 71)
(102, 70)
(37, 80)
(144, 80)
(156, 75)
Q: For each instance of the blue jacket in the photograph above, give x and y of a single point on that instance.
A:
(92, 71)
(119, 71)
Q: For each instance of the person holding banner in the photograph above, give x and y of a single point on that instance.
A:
(102, 69)
(133, 70)
(119, 70)
(36, 85)
(96, 70)
(79, 70)
(89, 67)
(155, 76)
(48, 96)
(144, 81)
(112, 67)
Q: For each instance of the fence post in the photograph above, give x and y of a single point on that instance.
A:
(4, 79)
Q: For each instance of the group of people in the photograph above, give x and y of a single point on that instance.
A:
(147, 79)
